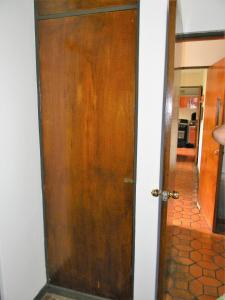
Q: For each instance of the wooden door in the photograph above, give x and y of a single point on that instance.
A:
(211, 150)
(170, 141)
(87, 103)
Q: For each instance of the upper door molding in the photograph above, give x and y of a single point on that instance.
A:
(54, 7)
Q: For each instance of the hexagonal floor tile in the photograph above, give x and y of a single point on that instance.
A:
(195, 256)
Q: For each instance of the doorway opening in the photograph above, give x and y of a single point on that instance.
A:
(194, 255)
(191, 91)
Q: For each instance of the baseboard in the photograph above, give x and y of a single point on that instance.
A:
(49, 288)
(221, 220)
(41, 293)
(220, 226)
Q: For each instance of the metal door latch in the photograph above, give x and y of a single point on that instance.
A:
(165, 194)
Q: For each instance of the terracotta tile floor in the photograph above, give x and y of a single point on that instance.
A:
(195, 258)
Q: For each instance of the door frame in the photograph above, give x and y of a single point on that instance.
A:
(153, 25)
(166, 139)
(48, 287)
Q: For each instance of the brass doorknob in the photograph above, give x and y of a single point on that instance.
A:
(174, 195)
(165, 194)
(156, 193)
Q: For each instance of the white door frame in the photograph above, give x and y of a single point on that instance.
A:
(152, 53)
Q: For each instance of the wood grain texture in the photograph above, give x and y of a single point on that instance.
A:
(171, 110)
(46, 7)
(169, 150)
(211, 150)
(87, 74)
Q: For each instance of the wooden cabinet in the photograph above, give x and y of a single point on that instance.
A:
(183, 101)
(191, 102)
(192, 132)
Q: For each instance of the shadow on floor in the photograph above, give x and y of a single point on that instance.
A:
(194, 264)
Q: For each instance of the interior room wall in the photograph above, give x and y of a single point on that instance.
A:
(179, 21)
(174, 127)
(21, 225)
(200, 53)
(1, 287)
(185, 113)
(22, 260)
(201, 15)
(193, 77)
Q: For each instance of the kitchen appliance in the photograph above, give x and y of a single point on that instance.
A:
(182, 133)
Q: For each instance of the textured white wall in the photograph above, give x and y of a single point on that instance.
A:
(21, 221)
(201, 15)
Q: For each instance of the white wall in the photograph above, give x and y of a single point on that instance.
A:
(185, 113)
(21, 226)
(153, 16)
(202, 15)
(179, 22)
(193, 77)
(199, 53)
(21, 222)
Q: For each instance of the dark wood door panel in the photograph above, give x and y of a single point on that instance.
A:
(87, 75)
(46, 7)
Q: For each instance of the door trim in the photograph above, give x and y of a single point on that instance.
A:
(40, 138)
(49, 287)
(57, 290)
(166, 141)
(191, 68)
(200, 36)
(88, 12)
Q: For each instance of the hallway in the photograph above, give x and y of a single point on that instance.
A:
(195, 258)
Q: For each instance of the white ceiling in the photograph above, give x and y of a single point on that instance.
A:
(200, 15)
